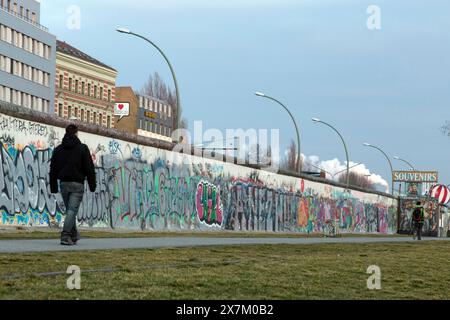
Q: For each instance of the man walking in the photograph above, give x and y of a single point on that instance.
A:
(71, 164)
(418, 220)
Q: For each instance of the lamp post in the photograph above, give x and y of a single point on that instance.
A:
(345, 147)
(298, 166)
(127, 31)
(389, 160)
(409, 164)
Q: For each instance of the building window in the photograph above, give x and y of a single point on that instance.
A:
(89, 90)
(47, 52)
(46, 79)
(82, 88)
(88, 119)
(8, 35)
(109, 95)
(76, 86)
(41, 50)
(82, 115)
(95, 91)
(101, 93)
(8, 95)
(69, 112)
(70, 84)
(108, 121)
(100, 119)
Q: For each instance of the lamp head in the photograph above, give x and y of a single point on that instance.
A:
(123, 30)
(397, 158)
(367, 144)
(260, 94)
(316, 120)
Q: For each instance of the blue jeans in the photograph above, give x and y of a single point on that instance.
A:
(72, 194)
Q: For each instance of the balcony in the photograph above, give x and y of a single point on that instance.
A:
(15, 14)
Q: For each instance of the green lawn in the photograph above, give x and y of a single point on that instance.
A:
(332, 271)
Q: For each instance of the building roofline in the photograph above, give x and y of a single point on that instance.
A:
(152, 98)
(69, 50)
(27, 20)
(137, 94)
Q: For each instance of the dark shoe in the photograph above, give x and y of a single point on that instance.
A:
(76, 238)
(67, 242)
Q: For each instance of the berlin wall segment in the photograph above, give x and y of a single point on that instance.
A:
(147, 187)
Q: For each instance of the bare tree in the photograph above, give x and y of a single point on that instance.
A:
(357, 180)
(260, 155)
(184, 123)
(446, 128)
(156, 87)
(290, 161)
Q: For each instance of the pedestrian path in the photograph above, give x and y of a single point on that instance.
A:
(29, 246)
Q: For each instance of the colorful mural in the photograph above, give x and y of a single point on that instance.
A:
(431, 224)
(147, 188)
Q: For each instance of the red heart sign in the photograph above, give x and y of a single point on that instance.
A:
(121, 106)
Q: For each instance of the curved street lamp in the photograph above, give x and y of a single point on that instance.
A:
(345, 147)
(409, 164)
(389, 160)
(298, 167)
(127, 31)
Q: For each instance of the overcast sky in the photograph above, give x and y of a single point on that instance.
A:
(389, 87)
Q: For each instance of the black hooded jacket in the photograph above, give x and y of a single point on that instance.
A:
(72, 162)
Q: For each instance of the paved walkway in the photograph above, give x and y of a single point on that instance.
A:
(28, 246)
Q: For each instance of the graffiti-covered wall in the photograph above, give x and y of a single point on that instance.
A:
(142, 187)
(436, 217)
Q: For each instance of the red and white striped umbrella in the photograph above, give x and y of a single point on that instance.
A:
(441, 193)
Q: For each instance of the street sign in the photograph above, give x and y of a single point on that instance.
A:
(416, 176)
(440, 193)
